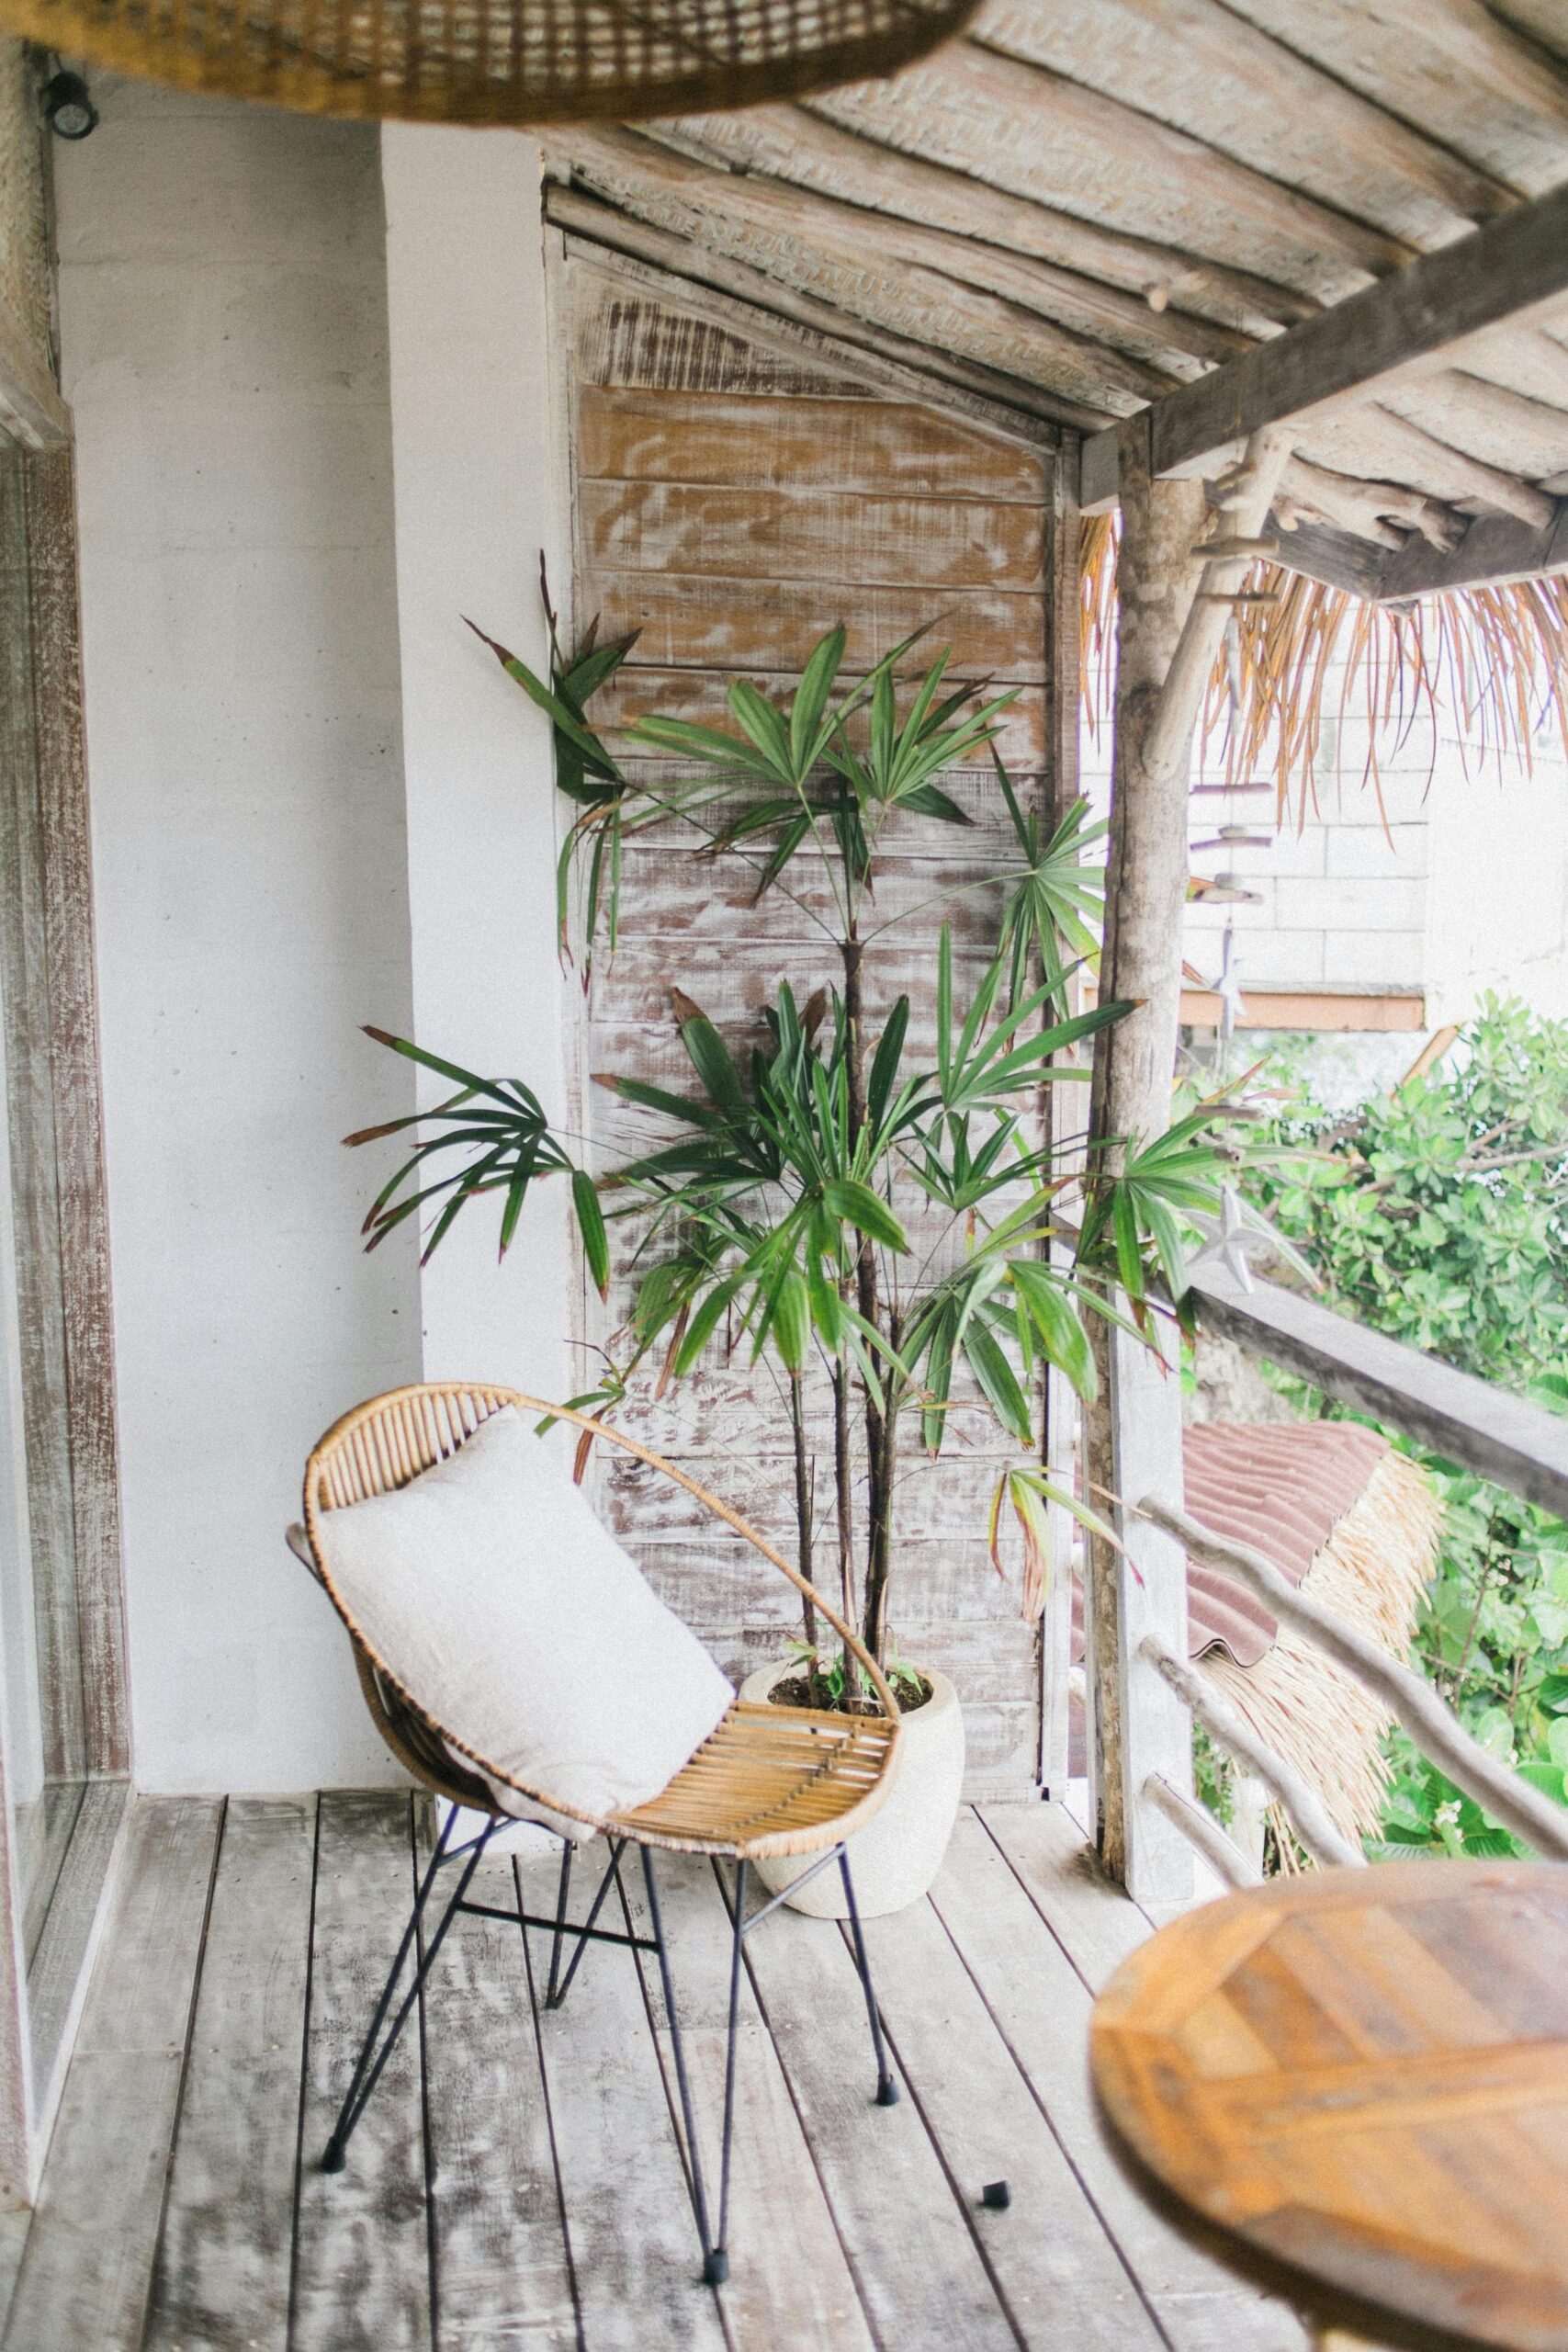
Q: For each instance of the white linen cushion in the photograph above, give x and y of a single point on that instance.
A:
(488, 1589)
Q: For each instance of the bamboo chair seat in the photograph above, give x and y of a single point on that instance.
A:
(768, 1781)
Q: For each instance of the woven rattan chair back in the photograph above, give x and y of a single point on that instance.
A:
(770, 1780)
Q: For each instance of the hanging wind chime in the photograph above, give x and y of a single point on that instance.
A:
(1228, 888)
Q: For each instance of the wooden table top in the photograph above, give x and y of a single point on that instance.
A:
(1354, 2086)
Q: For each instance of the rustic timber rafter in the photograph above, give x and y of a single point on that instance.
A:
(942, 273)
(1372, 357)
(745, 302)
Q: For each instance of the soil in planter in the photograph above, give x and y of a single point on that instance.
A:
(910, 1690)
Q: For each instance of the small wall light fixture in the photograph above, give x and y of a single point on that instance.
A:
(67, 107)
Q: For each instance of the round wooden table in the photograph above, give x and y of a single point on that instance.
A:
(1353, 2086)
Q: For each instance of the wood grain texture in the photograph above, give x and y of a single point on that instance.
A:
(87, 2268)
(503, 2275)
(735, 529)
(882, 2170)
(362, 2252)
(1353, 2080)
(1030, 1928)
(222, 2275)
(629, 2216)
(804, 442)
(808, 534)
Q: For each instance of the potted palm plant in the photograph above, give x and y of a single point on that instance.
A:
(886, 1224)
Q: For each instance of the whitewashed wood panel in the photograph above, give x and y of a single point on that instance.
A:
(691, 620)
(813, 535)
(624, 337)
(803, 443)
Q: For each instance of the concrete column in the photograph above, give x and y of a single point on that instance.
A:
(478, 474)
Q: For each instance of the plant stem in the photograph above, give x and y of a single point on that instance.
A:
(843, 1472)
(869, 1300)
(803, 1508)
(880, 1561)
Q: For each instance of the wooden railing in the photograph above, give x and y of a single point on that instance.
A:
(1143, 1714)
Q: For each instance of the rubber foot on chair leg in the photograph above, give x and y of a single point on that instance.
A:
(333, 2156)
(887, 2092)
(716, 2267)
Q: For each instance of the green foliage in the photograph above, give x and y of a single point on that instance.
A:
(1440, 1216)
(829, 1199)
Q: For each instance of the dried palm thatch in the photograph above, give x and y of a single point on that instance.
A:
(495, 60)
(1371, 1572)
(1491, 662)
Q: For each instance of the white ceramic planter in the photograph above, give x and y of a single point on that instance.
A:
(898, 1853)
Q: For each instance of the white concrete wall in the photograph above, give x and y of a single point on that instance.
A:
(480, 463)
(222, 298)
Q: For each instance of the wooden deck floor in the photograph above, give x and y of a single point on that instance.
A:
(517, 2181)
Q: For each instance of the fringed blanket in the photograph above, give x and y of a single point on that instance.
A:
(1356, 1525)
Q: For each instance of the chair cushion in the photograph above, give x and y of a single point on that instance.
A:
(487, 1587)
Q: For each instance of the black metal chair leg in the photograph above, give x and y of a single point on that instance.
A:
(367, 2074)
(567, 1849)
(556, 1993)
(886, 2088)
(735, 1957)
(716, 2261)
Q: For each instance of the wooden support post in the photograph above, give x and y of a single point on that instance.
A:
(1170, 623)
(1064, 1109)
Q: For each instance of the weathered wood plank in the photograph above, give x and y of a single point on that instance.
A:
(691, 621)
(87, 1302)
(634, 2242)
(1503, 1438)
(1455, 71)
(1514, 267)
(808, 534)
(915, 2259)
(1059, 2274)
(624, 337)
(790, 2279)
(1049, 138)
(910, 276)
(54, 1975)
(87, 2266)
(1209, 313)
(502, 2272)
(1202, 67)
(1040, 2005)
(222, 2279)
(362, 2254)
(747, 297)
(802, 443)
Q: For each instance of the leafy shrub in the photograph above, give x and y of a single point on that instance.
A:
(1439, 1215)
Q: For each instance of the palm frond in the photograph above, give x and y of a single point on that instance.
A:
(1492, 662)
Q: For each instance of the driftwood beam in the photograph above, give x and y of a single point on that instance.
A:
(1523, 1811)
(749, 302)
(1310, 1816)
(1479, 1428)
(1512, 270)
(1198, 1826)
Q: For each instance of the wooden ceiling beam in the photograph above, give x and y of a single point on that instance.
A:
(1197, 305)
(1510, 271)
(1153, 147)
(745, 302)
(1495, 549)
(644, 175)
(1197, 64)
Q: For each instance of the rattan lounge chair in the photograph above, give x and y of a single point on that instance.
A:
(768, 1781)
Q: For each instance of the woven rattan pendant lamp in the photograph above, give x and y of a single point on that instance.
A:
(494, 60)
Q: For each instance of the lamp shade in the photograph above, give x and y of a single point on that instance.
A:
(494, 60)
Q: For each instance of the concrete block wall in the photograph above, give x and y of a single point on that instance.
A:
(223, 329)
